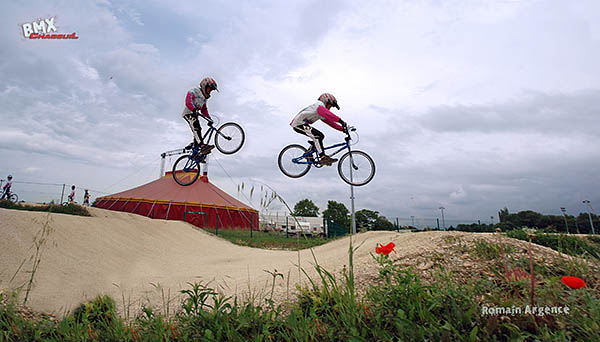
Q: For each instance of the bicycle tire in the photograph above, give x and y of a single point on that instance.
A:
(13, 197)
(363, 165)
(230, 138)
(286, 165)
(185, 170)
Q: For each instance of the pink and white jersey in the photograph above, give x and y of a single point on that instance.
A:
(8, 185)
(195, 100)
(314, 112)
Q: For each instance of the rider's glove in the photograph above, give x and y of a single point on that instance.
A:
(210, 121)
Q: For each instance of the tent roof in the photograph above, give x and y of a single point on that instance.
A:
(164, 189)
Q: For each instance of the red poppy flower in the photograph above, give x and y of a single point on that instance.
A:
(385, 250)
(573, 282)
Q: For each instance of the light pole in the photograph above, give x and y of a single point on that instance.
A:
(413, 220)
(352, 197)
(590, 215)
(443, 222)
(564, 211)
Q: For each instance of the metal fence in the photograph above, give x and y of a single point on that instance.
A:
(38, 192)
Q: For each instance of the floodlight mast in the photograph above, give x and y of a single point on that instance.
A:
(564, 211)
(590, 215)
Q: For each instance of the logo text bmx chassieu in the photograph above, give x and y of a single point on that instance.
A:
(45, 29)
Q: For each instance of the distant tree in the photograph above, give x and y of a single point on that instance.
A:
(337, 212)
(502, 214)
(306, 207)
(366, 219)
(383, 223)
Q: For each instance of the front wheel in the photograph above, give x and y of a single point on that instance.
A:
(292, 161)
(230, 138)
(186, 170)
(13, 198)
(356, 168)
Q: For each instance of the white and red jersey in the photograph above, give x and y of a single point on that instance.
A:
(7, 185)
(195, 100)
(314, 112)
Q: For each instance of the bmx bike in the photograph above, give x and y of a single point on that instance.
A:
(11, 196)
(354, 167)
(229, 138)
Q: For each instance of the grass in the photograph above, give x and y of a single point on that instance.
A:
(568, 244)
(401, 307)
(71, 209)
(269, 240)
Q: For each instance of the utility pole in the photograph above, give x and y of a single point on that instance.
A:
(443, 221)
(413, 220)
(590, 215)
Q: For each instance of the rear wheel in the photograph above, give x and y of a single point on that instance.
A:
(186, 170)
(356, 168)
(292, 161)
(230, 138)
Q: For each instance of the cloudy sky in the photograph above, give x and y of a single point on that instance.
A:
(469, 105)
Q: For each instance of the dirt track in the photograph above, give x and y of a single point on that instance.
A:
(124, 254)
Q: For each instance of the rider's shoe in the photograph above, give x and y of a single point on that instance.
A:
(327, 160)
(205, 149)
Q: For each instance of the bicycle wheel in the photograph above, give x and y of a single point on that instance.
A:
(361, 166)
(13, 197)
(230, 138)
(186, 170)
(291, 162)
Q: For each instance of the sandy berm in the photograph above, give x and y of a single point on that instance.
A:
(142, 261)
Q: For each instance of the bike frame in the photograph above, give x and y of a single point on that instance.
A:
(209, 133)
(344, 145)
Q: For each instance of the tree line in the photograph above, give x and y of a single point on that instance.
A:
(338, 213)
(579, 224)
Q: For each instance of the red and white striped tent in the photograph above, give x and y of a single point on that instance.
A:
(201, 204)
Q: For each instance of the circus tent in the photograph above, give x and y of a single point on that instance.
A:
(202, 204)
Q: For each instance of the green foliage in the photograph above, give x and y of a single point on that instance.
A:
(489, 251)
(366, 219)
(552, 223)
(383, 223)
(71, 209)
(568, 244)
(101, 310)
(371, 220)
(338, 213)
(306, 207)
(268, 240)
(476, 228)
